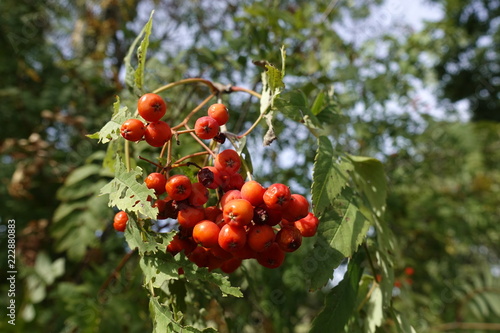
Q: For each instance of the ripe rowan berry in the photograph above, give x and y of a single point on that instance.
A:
(307, 225)
(234, 182)
(178, 244)
(200, 256)
(230, 265)
(297, 208)
(289, 238)
(206, 233)
(189, 216)
(228, 196)
(157, 133)
(210, 177)
(228, 160)
(260, 237)
(212, 212)
(253, 191)
(219, 112)
(206, 127)
(120, 221)
(238, 212)
(272, 257)
(199, 195)
(277, 196)
(178, 187)
(133, 129)
(232, 238)
(157, 182)
(151, 107)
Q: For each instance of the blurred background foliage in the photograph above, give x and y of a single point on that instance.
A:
(424, 101)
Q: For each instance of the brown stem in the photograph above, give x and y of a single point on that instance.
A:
(196, 109)
(212, 87)
(158, 166)
(201, 143)
(191, 155)
(251, 92)
(116, 271)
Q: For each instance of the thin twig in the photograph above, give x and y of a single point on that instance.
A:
(116, 271)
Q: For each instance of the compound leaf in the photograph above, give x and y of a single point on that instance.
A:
(127, 194)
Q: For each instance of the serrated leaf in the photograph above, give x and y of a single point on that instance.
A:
(134, 77)
(272, 85)
(163, 322)
(141, 54)
(143, 241)
(111, 130)
(370, 178)
(342, 229)
(340, 302)
(127, 194)
(330, 175)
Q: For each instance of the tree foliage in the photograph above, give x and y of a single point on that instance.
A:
(429, 202)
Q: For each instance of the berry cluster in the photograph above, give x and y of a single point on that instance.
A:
(246, 221)
(152, 108)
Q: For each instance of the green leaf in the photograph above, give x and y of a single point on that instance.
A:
(141, 54)
(341, 230)
(163, 321)
(294, 105)
(370, 179)
(340, 303)
(111, 130)
(143, 241)
(318, 104)
(330, 175)
(127, 194)
(374, 310)
(272, 85)
(134, 78)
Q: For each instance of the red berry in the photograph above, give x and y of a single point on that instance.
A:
(190, 216)
(307, 225)
(272, 257)
(210, 177)
(238, 212)
(133, 130)
(228, 196)
(260, 237)
(151, 107)
(178, 187)
(234, 182)
(253, 191)
(212, 212)
(200, 256)
(199, 195)
(206, 233)
(120, 221)
(157, 133)
(297, 208)
(409, 271)
(232, 238)
(219, 112)
(289, 238)
(277, 196)
(206, 127)
(228, 160)
(229, 266)
(157, 182)
(178, 244)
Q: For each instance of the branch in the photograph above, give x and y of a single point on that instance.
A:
(467, 326)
